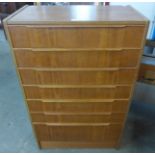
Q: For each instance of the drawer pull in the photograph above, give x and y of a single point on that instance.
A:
(75, 124)
(75, 86)
(64, 114)
(75, 69)
(74, 26)
(76, 100)
(77, 49)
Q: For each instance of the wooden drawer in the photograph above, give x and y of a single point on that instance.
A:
(118, 36)
(77, 58)
(76, 132)
(78, 77)
(75, 106)
(49, 92)
(78, 118)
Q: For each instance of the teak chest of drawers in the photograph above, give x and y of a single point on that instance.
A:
(77, 66)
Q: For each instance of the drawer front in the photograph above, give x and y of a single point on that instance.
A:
(78, 118)
(39, 92)
(81, 133)
(81, 107)
(68, 77)
(76, 37)
(77, 59)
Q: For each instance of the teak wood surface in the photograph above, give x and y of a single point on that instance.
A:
(77, 71)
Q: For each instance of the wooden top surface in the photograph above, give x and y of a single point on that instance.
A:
(75, 15)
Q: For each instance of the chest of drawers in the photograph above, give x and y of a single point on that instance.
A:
(77, 66)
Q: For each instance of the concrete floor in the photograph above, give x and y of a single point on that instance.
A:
(16, 132)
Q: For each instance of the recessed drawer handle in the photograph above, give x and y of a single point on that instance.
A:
(77, 101)
(114, 49)
(45, 113)
(80, 49)
(77, 124)
(75, 69)
(46, 101)
(74, 26)
(75, 86)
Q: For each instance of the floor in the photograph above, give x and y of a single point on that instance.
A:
(16, 132)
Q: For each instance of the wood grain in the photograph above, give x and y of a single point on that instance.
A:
(49, 37)
(78, 118)
(77, 106)
(118, 76)
(35, 92)
(89, 14)
(91, 58)
(54, 144)
(86, 133)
